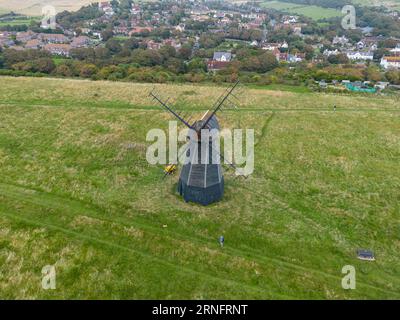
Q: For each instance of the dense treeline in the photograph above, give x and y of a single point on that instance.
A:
(166, 65)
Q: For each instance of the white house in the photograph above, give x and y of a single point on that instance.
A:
(360, 55)
(222, 56)
(396, 50)
(328, 53)
(341, 41)
(390, 62)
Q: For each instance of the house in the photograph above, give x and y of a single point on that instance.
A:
(104, 4)
(152, 45)
(271, 46)
(33, 44)
(396, 51)
(282, 56)
(381, 85)
(122, 30)
(222, 56)
(137, 30)
(107, 8)
(328, 53)
(214, 65)
(298, 57)
(390, 62)
(289, 19)
(340, 41)
(173, 43)
(254, 43)
(79, 42)
(297, 28)
(360, 55)
(135, 10)
(367, 30)
(53, 38)
(58, 49)
(322, 84)
(5, 40)
(86, 30)
(25, 36)
(180, 27)
(365, 44)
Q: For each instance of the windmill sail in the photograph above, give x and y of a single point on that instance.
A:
(220, 102)
(169, 109)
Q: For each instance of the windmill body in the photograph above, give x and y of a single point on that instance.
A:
(199, 182)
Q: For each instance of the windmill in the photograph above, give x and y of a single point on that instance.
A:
(202, 181)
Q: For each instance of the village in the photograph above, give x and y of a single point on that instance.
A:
(214, 32)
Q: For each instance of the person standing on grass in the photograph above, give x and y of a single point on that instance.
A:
(221, 241)
(334, 107)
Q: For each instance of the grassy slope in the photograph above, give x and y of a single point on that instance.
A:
(76, 191)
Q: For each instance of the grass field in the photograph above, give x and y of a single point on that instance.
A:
(313, 12)
(76, 192)
(387, 3)
(19, 21)
(34, 7)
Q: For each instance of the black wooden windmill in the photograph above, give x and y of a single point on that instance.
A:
(202, 182)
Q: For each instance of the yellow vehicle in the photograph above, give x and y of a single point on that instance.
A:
(170, 169)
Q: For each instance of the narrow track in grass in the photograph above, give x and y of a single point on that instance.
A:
(76, 208)
(241, 110)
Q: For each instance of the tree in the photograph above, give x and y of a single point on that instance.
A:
(102, 53)
(107, 34)
(340, 58)
(167, 52)
(267, 62)
(393, 76)
(185, 52)
(379, 53)
(113, 45)
(372, 73)
(44, 65)
(83, 54)
(131, 44)
(175, 65)
(63, 70)
(87, 70)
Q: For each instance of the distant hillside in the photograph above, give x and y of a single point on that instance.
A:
(340, 3)
(34, 7)
(321, 3)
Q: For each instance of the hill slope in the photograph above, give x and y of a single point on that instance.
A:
(76, 192)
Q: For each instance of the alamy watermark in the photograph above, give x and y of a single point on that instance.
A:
(349, 280)
(49, 17)
(49, 277)
(349, 20)
(202, 147)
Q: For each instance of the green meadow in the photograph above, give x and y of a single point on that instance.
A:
(76, 192)
(17, 21)
(311, 11)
